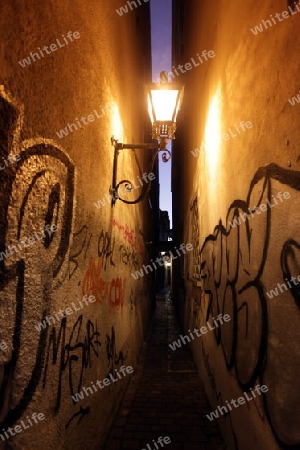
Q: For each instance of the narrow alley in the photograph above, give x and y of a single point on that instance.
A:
(149, 220)
(165, 397)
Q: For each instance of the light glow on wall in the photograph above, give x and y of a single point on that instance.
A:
(116, 124)
(213, 146)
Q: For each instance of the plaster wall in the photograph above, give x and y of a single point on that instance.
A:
(250, 79)
(59, 180)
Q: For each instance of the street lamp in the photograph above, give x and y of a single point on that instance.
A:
(163, 106)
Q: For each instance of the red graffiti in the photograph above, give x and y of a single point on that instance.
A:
(116, 292)
(130, 236)
(111, 291)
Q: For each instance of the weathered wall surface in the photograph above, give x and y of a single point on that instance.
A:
(98, 74)
(251, 78)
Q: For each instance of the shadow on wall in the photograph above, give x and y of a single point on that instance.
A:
(238, 266)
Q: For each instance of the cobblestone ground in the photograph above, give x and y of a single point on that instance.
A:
(165, 396)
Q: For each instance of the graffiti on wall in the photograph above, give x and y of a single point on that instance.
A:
(81, 242)
(38, 191)
(73, 354)
(232, 442)
(130, 236)
(103, 246)
(238, 266)
(93, 283)
(195, 239)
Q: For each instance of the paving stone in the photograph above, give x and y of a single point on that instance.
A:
(131, 427)
(144, 436)
(121, 421)
(194, 446)
(175, 446)
(131, 445)
(135, 420)
(128, 435)
(114, 445)
(215, 447)
(162, 403)
(117, 432)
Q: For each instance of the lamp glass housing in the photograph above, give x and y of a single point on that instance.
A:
(164, 103)
(163, 106)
